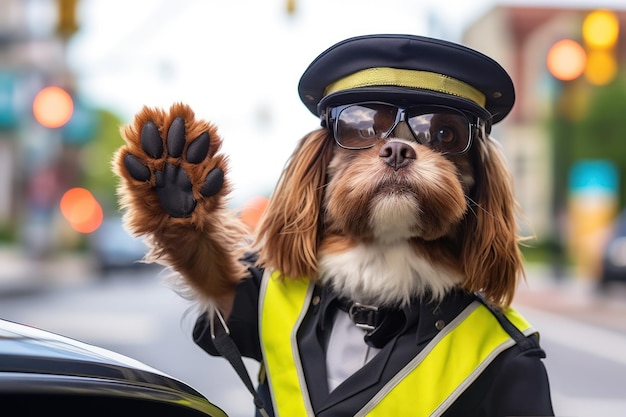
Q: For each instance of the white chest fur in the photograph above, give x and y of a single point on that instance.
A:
(384, 275)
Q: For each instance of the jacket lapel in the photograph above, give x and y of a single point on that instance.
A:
(359, 388)
(312, 343)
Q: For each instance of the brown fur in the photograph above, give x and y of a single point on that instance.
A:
(484, 247)
(322, 203)
(291, 219)
(491, 257)
(204, 248)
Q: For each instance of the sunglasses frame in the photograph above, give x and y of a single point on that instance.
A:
(332, 121)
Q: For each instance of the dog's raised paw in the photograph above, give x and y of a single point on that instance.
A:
(173, 184)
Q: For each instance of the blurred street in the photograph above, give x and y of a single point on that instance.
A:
(574, 297)
(136, 313)
(20, 273)
(72, 72)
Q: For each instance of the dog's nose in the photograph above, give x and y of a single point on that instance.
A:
(397, 154)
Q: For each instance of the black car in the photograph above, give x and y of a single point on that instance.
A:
(42, 373)
(114, 248)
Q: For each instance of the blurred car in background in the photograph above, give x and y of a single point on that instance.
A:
(613, 264)
(114, 248)
(42, 373)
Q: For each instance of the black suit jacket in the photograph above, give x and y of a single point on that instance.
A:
(514, 384)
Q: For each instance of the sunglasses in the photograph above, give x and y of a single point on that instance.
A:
(360, 125)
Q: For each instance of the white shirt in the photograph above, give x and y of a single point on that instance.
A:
(347, 351)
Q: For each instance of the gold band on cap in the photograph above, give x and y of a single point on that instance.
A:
(407, 78)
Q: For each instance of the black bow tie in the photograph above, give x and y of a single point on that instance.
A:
(382, 324)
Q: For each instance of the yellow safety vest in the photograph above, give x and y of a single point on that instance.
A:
(442, 372)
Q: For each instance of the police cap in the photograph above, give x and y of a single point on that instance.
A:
(407, 69)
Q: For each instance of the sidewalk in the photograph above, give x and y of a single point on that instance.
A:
(21, 274)
(576, 298)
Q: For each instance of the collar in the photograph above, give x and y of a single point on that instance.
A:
(366, 317)
(428, 317)
(381, 324)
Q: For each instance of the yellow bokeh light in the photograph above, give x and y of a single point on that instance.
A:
(53, 107)
(600, 29)
(566, 60)
(601, 67)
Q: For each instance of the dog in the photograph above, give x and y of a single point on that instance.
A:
(390, 226)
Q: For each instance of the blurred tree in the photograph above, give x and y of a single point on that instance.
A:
(99, 178)
(588, 123)
(600, 132)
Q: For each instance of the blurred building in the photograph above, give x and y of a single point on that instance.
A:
(520, 39)
(33, 39)
(36, 161)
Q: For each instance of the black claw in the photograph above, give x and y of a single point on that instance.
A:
(151, 141)
(176, 137)
(199, 148)
(136, 169)
(213, 182)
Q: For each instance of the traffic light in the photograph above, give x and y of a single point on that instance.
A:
(568, 59)
(291, 6)
(67, 23)
(600, 31)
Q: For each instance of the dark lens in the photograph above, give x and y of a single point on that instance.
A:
(359, 126)
(446, 130)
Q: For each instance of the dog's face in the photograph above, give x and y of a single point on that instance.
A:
(391, 215)
(395, 191)
(395, 221)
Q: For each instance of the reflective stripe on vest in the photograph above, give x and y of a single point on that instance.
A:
(282, 306)
(442, 370)
(447, 366)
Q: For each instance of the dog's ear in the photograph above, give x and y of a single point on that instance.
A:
(491, 257)
(287, 236)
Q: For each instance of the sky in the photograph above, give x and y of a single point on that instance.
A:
(237, 63)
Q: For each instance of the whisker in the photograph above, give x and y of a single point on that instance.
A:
(473, 204)
(470, 206)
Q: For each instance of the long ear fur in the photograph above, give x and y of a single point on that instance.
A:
(490, 254)
(288, 233)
